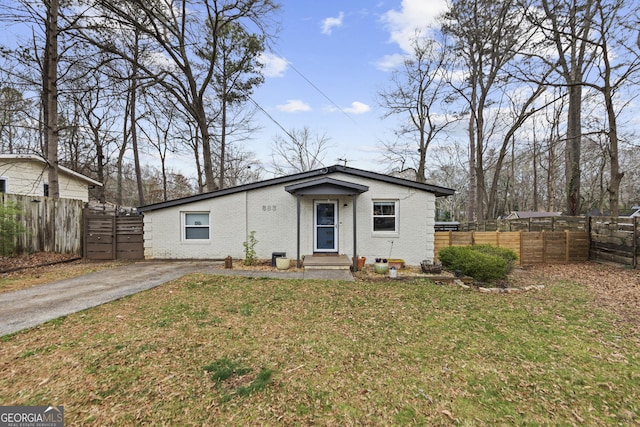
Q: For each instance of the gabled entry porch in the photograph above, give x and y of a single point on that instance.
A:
(322, 196)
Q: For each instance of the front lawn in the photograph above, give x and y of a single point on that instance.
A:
(213, 350)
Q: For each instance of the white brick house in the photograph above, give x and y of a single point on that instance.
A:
(333, 210)
(27, 175)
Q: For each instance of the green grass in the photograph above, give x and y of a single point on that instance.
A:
(240, 351)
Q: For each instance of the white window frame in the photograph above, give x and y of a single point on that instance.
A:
(396, 216)
(184, 225)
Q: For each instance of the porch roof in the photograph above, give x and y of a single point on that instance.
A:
(326, 186)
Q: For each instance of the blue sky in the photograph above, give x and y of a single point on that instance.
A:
(331, 59)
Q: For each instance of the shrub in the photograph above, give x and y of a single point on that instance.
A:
(483, 262)
(250, 256)
(507, 254)
(9, 228)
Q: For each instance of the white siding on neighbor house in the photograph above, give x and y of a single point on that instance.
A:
(27, 177)
(271, 213)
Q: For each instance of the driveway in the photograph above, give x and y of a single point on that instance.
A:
(30, 307)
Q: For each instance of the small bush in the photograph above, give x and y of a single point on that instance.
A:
(10, 228)
(483, 262)
(507, 254)
(250, 256)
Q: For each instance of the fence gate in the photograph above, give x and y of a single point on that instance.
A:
(109, 236)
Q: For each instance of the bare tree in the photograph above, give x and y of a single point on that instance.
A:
(419, 93)
(175, 30)
(488, 35)
(14, 111)
(618, 62)
(236, 75)
(300, 151)
(566, 25)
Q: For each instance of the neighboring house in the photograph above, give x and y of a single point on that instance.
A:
(636, 211)
(333, 210)
(27, 175)
(531, 214)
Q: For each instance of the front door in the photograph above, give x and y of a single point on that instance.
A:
(326, 227)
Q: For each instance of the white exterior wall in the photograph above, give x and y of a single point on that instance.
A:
(271, 213)
(27, 178)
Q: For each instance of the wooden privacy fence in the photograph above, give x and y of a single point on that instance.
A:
(552, 223)
(49, 224)
(112, 236)
(532, 247)
(615, 239)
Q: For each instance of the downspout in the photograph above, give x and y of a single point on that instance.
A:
(298, 231)
(355, 249)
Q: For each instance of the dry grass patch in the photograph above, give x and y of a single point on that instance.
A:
(330, 353)
(55, 268)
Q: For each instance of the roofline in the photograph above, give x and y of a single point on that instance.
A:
(437, 190)
(43, 161)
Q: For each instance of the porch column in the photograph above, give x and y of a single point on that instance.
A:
(298, 196)
(355, 249)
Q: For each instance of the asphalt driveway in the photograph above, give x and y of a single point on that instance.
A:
(30, 307)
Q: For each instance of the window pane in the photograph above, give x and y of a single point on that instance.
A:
(196, 219)
(325, 213)
(3, 185)
(197, 233)
(384, 224)
(384, 208)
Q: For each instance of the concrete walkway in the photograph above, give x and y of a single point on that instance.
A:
(33, 306)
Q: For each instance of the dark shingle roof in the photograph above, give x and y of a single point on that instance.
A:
(437, 190)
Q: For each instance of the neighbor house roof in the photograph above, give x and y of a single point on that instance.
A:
(531, 214)
(316, 183)
(34, 158)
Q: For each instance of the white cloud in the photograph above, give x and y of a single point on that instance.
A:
(358, 107)
(294, 106)
(390, 62)
(329, 24)
(414, 15)
(274, 65)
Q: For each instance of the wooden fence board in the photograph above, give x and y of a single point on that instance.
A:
(532, 247)
(485, 238)
(111, 236)
(511, 240)
(462, 238)
(50, 224)
(615, 240)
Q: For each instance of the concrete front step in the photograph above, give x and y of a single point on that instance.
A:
(326, 262)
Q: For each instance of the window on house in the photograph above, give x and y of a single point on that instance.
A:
(385, 218)
(46, 190)
(4, 187)
(196, 226)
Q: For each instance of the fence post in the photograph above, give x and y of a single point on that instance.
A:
(635, 241)
(566, 246)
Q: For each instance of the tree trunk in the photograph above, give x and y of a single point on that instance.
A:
(132, 114)
(223, 137)
(50, 95)
(614, 161)
(573, 150)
